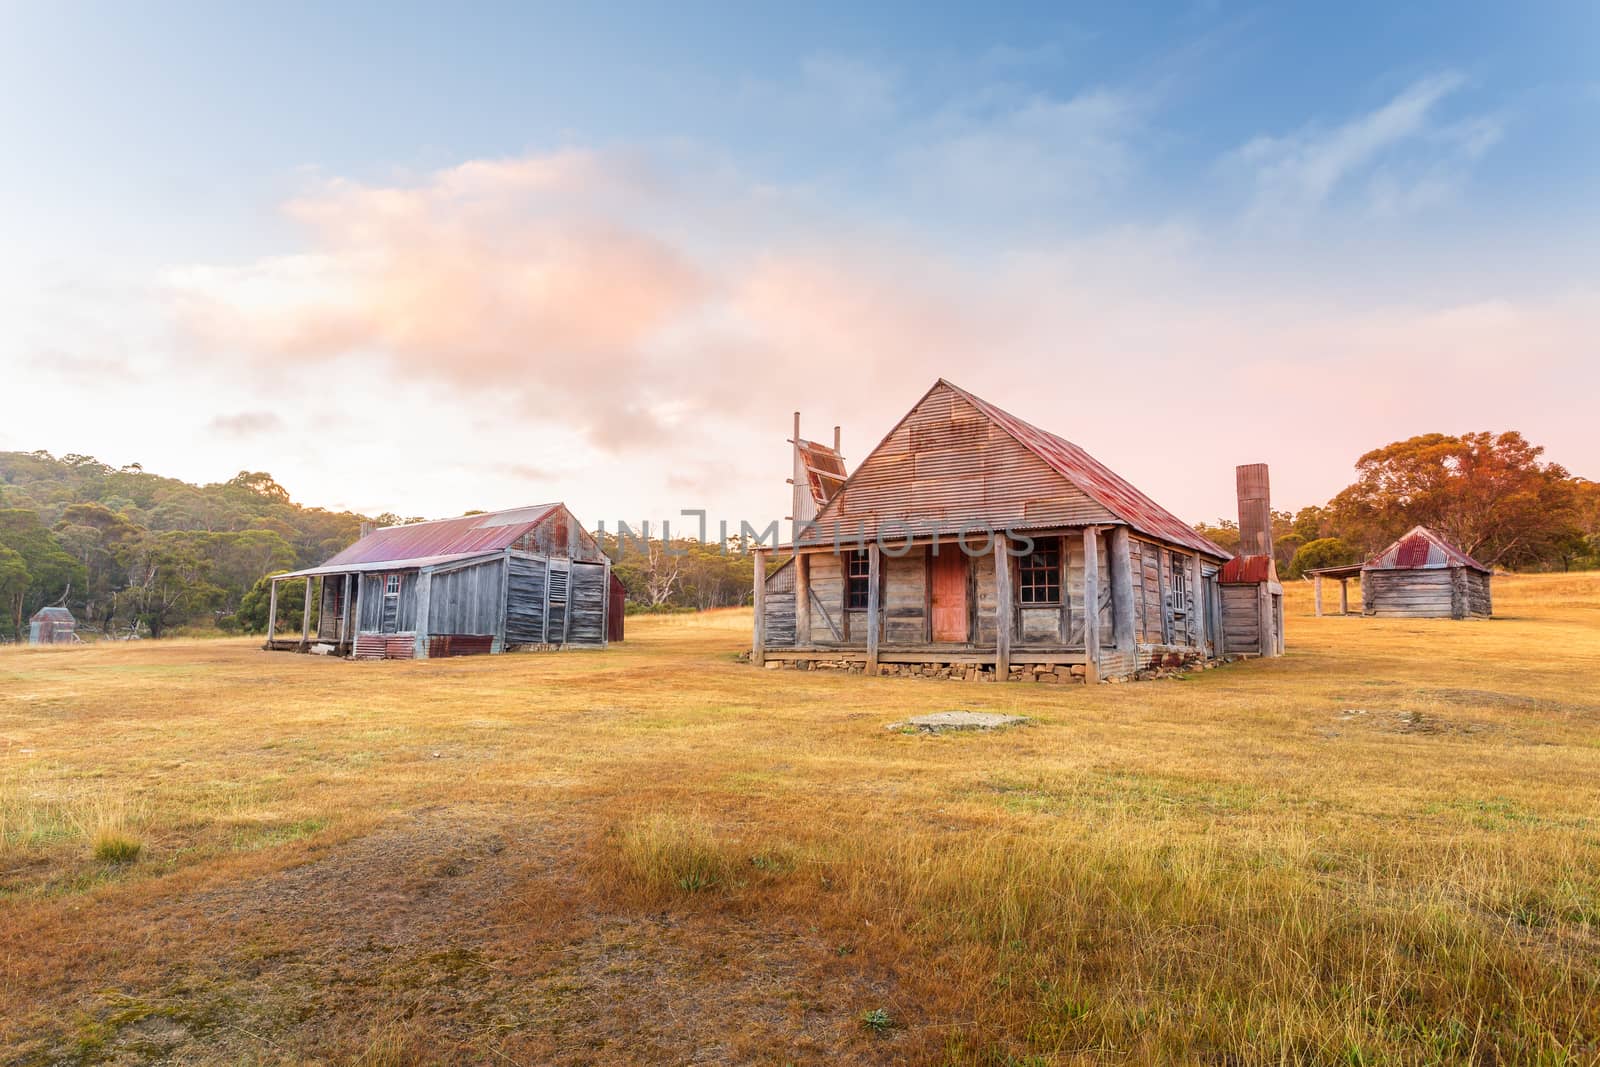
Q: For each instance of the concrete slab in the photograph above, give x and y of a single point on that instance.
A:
(939, 722)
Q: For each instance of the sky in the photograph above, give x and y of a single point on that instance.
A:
(414, 259)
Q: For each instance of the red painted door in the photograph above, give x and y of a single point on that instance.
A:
(947, 580)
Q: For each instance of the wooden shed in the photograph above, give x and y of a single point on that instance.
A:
(970, 542)
(52, 626)
(1419, 576)
(528, 577)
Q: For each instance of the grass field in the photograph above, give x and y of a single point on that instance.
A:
(1382, 848)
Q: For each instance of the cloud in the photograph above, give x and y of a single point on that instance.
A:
(1411, 160)
(245, 424)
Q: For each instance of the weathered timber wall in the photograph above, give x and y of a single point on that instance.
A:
(1482, 603)
(1413, 594)
(525, 591)
(905, 597)
(827, 599)
(388, 614)
(587, 604)
(780, 607)
(1241, 618)
(466, 600)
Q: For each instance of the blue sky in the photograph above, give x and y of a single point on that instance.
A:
(572, 239)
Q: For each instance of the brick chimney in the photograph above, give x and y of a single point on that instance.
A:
(1255, 510)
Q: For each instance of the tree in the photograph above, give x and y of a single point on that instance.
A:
(14, 582)
(94, 535)
(1488, 493)
(169, 579)
(1323, 552)
(1225, 534)
(48, 572)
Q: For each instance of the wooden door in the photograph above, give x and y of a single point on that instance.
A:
(947, 584)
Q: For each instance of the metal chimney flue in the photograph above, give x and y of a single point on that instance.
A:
(1255, 510)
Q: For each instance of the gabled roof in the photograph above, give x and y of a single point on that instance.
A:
(1420, 549)
(55, 614)
(427, 544)
(1113, 492)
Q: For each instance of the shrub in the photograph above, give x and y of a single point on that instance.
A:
(111, 846)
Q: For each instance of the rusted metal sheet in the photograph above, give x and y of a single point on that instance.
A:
(459, 645)
(1422, 549)
(618, 610)
(1100, 482)
(468, 535)
(823, 469)
(956, 461)
(1249, 570)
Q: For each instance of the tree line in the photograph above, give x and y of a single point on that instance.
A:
(134, 553)
(1490, 494)
(130, 552)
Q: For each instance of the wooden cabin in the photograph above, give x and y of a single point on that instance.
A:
(53, 626)
(525, 578)
(972, 543)
(1420, 576)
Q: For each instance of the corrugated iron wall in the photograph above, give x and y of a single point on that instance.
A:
(947, 466)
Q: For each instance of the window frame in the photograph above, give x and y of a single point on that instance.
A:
(391, 585)
(1033, 577)
(852, 578)
(1178, 582)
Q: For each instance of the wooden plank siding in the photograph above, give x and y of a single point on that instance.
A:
(1241, 618)
(905, 597)
(778, 607)
(586, 624)
(946, 465)
(1414, 594)
(466, 600)
(525, 601)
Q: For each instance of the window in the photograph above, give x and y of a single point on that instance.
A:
(1180, 584)
(391, 585)
(1039, 573)
(858, 569)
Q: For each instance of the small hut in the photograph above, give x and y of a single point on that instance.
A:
(52, 626)
(527, 577)
(1420, 576)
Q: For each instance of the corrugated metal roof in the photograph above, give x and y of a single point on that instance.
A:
(387, 565)
(1420, 549)
(58, 614)
(1115, 493)
(420, 544)
(824, 470)
(1248, 570)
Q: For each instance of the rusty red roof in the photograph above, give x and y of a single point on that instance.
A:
(1113, 492)
(1249, 570)
(824, 469)
(1422, 548)
(468, 535)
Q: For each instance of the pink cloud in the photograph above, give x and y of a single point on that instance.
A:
(638, 308)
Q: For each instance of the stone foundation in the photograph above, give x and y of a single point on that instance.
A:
(1152, 665)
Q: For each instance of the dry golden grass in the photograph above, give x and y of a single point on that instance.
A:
(1384, 847)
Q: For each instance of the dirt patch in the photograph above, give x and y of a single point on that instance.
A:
(1489, 698)
(1410, 722)
(460, 934)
